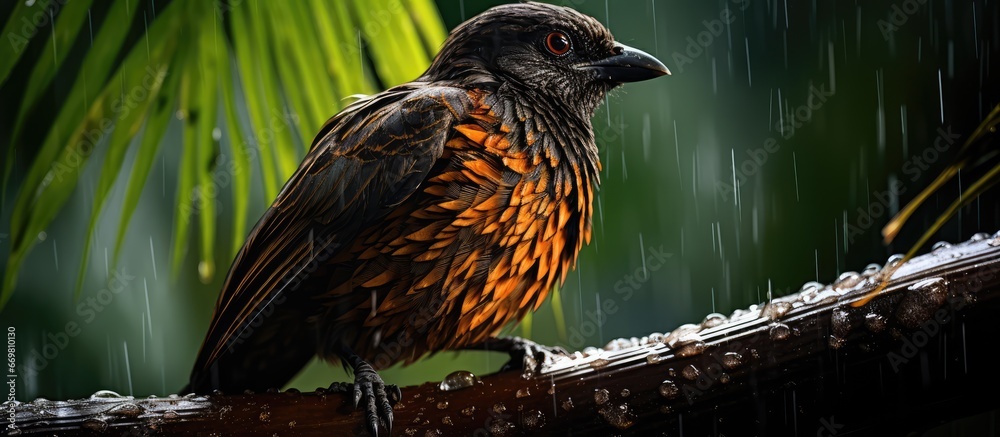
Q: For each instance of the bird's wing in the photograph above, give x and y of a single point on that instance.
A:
(365, 161)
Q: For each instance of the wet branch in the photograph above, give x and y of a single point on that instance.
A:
(806, 364)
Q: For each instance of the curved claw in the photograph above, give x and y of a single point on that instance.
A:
(370, 392)
(385, 407)
(368, 386)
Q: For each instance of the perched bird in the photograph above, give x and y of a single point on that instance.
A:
(430, 215)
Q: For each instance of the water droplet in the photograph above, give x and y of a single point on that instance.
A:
(533, 420)
(265, 416)
(655, 338)
(410, 431)
(567, 404)
(95, 424)
(501, 427)
(743, 314)
(690, 372)
(871, 269)
(682, 335)
(105, 394)
(447, 420)
(894, 260)
(620, 417)
(848, 281)
(713, 320)
(654, 358)
(625, 392)
(621, 343)
(921, 301)
(692, 349)
(875, 322)
(669, 389)
(779, 331)
(458, 380)
(292, 424)
(468, 411)
(522, 393)
(732, 360)
(811, 285)
(724, 378)
(599, 363)
(601, 396)
(837, 342)
(499, 408)
(292, 391)
(666, 409)
(206, 270)
(821, 297)
(126, 409)
(432, 432)
(442, 405)
(940, 245)
(776, 310)
(979, 236)
(840, 322)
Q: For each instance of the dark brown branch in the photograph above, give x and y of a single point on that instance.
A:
(807, 363)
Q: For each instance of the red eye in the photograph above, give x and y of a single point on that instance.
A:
(557, 43)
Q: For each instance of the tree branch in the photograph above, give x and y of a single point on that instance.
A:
(806, 364)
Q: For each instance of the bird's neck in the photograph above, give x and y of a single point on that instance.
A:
(551, 130)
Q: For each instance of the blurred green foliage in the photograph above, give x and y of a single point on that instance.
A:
(825, 118)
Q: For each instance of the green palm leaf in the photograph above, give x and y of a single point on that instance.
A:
(68, 26)
(291, 64)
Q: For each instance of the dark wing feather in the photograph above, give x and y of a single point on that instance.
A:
(366, 160)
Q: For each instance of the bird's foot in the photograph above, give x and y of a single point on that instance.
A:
(370, 391)
(526, 355)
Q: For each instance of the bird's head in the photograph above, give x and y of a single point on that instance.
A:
(551, 50)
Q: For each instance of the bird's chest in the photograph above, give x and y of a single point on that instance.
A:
(488, 235)
(514, 223)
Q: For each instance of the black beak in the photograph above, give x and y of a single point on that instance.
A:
(628, 65)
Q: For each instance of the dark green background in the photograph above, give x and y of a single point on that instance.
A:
(668, 145)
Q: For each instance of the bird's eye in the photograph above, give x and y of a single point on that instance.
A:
(557, 43)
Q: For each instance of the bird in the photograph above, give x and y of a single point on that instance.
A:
(428, 216)
(978, 150)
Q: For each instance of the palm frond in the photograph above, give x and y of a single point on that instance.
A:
(290, 64)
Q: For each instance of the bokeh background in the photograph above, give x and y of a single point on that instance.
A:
(815, 109)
